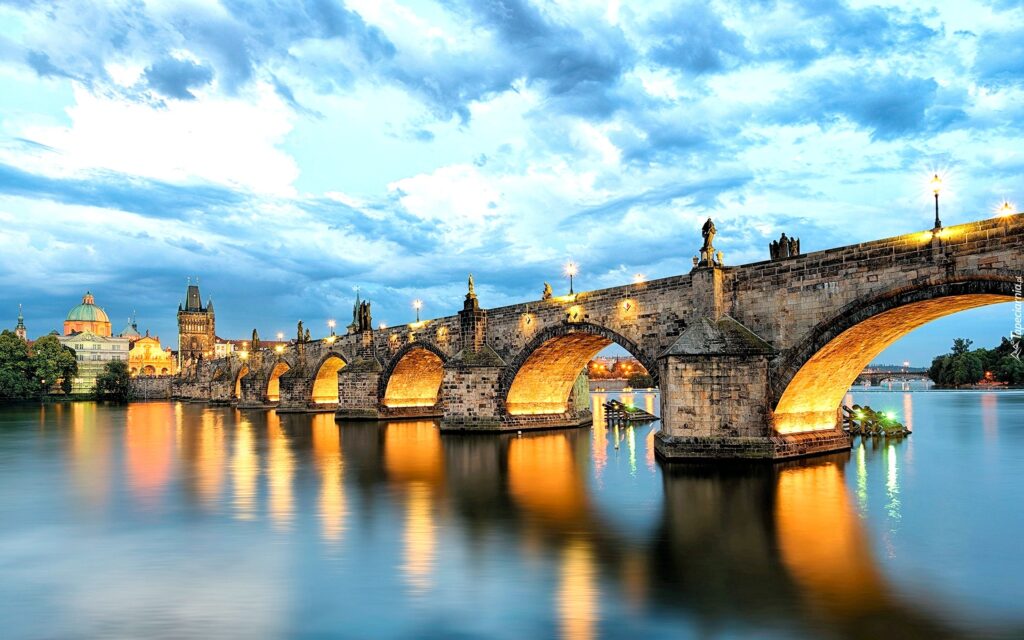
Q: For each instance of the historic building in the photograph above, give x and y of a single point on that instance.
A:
(20, 330)
(149, 358)
(196, 328)
(87, 317)
(87, 332)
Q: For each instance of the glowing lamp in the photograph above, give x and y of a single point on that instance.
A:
(279, 348)
(280, 335)
(417, 305)
(638, 278)
(382, 326)
(936, 185)
(570, 270)
(1005, 209)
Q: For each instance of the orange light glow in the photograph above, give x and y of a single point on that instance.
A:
(325, 387)
(415, 380)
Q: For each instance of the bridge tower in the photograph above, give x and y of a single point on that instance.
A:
(196, 327)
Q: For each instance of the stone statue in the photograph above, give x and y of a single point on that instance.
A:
(784, 247)
(707, 252)
(708, 231)
(299, 334)
(547, 292)
(472, 291)
(305, 337)
(718, 259)
(363, 321)
(255, 340)
(696, 261)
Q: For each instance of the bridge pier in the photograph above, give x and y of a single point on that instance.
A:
(253, 391)
(716, 399)
(357, 390)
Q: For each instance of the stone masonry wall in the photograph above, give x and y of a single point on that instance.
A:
(152, 387)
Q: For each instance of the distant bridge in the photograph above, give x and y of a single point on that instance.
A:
(753, 361)
(876, 376)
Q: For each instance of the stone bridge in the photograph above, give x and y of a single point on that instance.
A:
(752, 360)
(875, 377)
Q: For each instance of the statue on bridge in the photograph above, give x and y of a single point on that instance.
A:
(708, 257)
(784, 247)
(472, 291)
(363, 320)
(546, 295)
(255, 341)
(299, 334)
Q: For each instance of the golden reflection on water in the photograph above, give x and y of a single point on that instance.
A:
(990, 416)
(280, 468)
(90, 451)
(245, 468)
(649, 443)
(821, 540)
(329, 462)
(420, 538)
(149, 449)
(209, 455)
(543, 479)
(413, 458)
(599, 434)
(578, 591)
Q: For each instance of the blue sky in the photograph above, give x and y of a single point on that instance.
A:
(287, 152)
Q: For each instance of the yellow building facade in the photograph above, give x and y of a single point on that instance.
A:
(149, 358)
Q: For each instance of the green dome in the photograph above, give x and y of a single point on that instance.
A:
(88, 311)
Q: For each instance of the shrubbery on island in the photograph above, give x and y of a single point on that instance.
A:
(963, 366)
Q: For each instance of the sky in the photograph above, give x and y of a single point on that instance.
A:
(287, 153)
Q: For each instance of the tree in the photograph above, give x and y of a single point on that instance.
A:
(51, 361)
(961, 346)
(16, 381)
(937, 372)
(966, 369)
(640, 381)
(115, 383)
(1010, 370)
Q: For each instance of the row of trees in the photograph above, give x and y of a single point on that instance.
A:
(962, 365)
(32, 372)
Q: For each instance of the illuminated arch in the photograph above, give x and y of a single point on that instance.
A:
(325, 384)
(244, 371)
(541, 377)
(149, 370)
(811, 381)
(413, 376)
(274, 382)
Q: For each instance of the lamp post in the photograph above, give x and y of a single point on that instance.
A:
(331, 323)
(936, 184)
(1005, 209)
(570, 270)
(280, 336)
(417, 305)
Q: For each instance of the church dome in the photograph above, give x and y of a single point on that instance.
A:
(87, 311)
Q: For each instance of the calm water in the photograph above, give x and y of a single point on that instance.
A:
(174, 520)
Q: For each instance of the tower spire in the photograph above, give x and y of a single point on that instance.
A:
(20, 329)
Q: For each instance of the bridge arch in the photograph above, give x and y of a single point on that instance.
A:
(413, 376)
(324, 389)
(541, 377)
(280, 367)
(241, 373)
(809, 383)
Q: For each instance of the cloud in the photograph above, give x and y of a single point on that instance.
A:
(691, 37)
(174, 78)
(1000, 57)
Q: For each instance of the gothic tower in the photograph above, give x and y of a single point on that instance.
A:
(196, 327)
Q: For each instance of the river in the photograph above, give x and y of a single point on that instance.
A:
(168, 520)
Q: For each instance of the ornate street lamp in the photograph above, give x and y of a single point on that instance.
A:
(570, 270)
(331, 323)
(417, 305)
(936, 184)
(1005, 209)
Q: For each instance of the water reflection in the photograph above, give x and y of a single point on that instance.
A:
(329, 462)
(546, 522)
